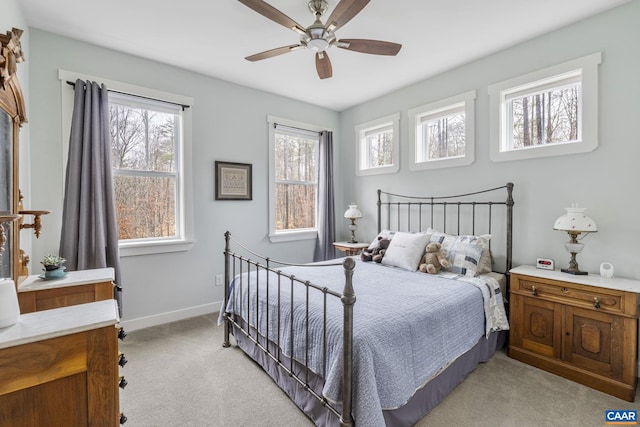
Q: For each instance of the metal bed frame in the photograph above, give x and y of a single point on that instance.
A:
(347, 298)
(444, 210)
(401, 208)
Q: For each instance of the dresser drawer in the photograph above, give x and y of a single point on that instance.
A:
(568, 293)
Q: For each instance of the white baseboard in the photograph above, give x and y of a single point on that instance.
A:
(171, 316)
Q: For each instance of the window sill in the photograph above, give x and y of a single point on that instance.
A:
(148, 248)
(557, 149)
(450, 162)
(290, 236)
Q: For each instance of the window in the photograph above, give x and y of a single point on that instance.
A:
(294, 179)
(443, 132)
(145, 157)
(150, 150)
(377, 146)
(550, 112)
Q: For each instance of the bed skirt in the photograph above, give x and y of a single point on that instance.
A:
(422, 402)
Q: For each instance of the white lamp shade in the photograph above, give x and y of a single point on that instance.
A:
(353, 212)
(575, 220)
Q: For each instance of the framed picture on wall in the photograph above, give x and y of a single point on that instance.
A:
(233, 181)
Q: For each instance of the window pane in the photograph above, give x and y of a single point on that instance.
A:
(546, 118)
(145, 206)
(144, 145)
(443, 137)
(379, 146)
(295, 158)
(295, 206)
(142, 139)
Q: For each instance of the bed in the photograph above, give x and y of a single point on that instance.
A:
(354, 342)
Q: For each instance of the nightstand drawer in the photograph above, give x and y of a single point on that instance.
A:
(565, 293)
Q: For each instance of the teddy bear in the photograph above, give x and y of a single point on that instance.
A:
(376, 253)
(433, 260)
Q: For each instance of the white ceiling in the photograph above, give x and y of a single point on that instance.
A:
(213, 37)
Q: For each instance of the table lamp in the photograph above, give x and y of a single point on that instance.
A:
(575, 222)
(353, 213)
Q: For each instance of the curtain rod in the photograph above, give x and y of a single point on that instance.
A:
(295, 128)
(184, 106)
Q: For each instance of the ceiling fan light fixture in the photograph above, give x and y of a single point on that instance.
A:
(318, 45)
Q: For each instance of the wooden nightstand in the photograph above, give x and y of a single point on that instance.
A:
(350, 248)
(583, 328)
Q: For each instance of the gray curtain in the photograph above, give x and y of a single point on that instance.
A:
(89, 237)
(326, 205)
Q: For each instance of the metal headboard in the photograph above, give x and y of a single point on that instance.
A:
(470, 213)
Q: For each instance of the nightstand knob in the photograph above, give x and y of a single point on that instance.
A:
(122, 360)
(122, 334)
(123, 383)
(123, 418)
(534, 291)
(596, 302)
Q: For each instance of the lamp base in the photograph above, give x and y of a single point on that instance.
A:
(575, 272)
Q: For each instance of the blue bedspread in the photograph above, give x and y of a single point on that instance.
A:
(408, 327)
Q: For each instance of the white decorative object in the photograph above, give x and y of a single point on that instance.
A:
(9, 308)
(606, 269)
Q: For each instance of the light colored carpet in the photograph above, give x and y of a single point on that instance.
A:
(179, 375)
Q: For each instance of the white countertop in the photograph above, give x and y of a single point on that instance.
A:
(72, 278)
(46, 324)
(618, 283)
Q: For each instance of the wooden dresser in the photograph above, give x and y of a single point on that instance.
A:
(584, 328)
(77, 287)
(60, 368)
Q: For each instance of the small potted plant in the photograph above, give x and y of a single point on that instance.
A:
(53, 267)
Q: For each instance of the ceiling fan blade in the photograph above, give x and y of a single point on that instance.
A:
(268, 11)
(344, 11)
(273, 52)
(374, 47)
(323, 65)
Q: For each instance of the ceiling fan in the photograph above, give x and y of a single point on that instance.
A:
(318, 36)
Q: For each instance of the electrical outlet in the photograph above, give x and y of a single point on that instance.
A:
(219, 280)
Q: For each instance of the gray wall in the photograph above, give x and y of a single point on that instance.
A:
(604, 181)
(229, 123)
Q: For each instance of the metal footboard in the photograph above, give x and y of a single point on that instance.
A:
(237, 264)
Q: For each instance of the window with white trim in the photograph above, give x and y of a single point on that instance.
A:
(550, 112)
(378, 146)
(443, 132)
(154, 158)
(146, 136)
(294, 180)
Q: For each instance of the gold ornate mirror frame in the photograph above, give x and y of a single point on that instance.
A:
(12, 104)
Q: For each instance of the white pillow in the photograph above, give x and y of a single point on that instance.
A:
(406, 250)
